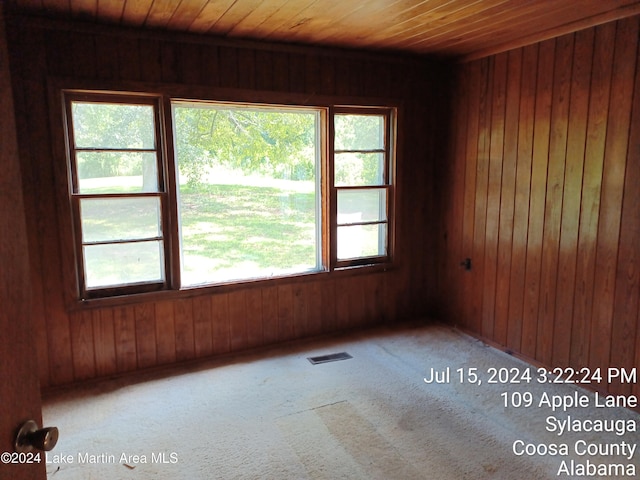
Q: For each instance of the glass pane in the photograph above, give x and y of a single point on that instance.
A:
(357, 241)
(117, 172)
(123, 263)
(359, 132)
(362, 206)
(248, 192)
(108, 219)
(108, 125)
(358, 169)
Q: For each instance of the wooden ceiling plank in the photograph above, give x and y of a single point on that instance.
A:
(185, 14)
(495, 46)
(537, 15)
(254, 23)
(110, 10)
(434, 11)
(398, 13)
(444, 27)
(456, 22)
(442, 16)
(135, 12)
(446, 17)
(321, 17)
(453, 34)
(209, 15)
(364, 22)
(293, 15)
(521, 25)
(161, 12)
(463, 32)
(234, 15)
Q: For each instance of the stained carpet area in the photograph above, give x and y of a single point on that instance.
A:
(274, 415)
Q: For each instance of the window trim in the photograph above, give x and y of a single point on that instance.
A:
(322, 259)
(75, 196)
(61, 89)
(389, 149)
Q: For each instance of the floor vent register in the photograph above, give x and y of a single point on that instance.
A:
(333, 357)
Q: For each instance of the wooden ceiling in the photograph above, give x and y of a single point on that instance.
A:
(460, 28)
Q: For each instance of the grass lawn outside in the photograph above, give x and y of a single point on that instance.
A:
(231, 232)
(238, 228)
(232, 227)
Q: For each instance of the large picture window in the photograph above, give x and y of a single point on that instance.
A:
(171, 194)
(248, 191)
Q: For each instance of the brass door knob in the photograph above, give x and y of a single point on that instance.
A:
(30, 437)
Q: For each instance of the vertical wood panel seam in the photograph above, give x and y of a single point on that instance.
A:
(636, 353)
(499, 199)
(582, 188)
(510, 86)
(525, 243)
(557, 241)
(620, 211)
(600, 206)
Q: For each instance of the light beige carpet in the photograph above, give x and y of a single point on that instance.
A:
(273, 415)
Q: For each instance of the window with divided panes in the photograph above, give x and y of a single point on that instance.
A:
(168, 194)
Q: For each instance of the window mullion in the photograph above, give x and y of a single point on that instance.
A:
(170, 219)
(363, 187)
(371, 222)
(332, 206)
(129, 240)
(387, 149)
(367, 150)
(77, 232)
(104, 149)
(83, 196)
(72, 160)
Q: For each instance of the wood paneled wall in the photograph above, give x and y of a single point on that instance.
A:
(19, 388)
(541, 191)
(84, 343)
